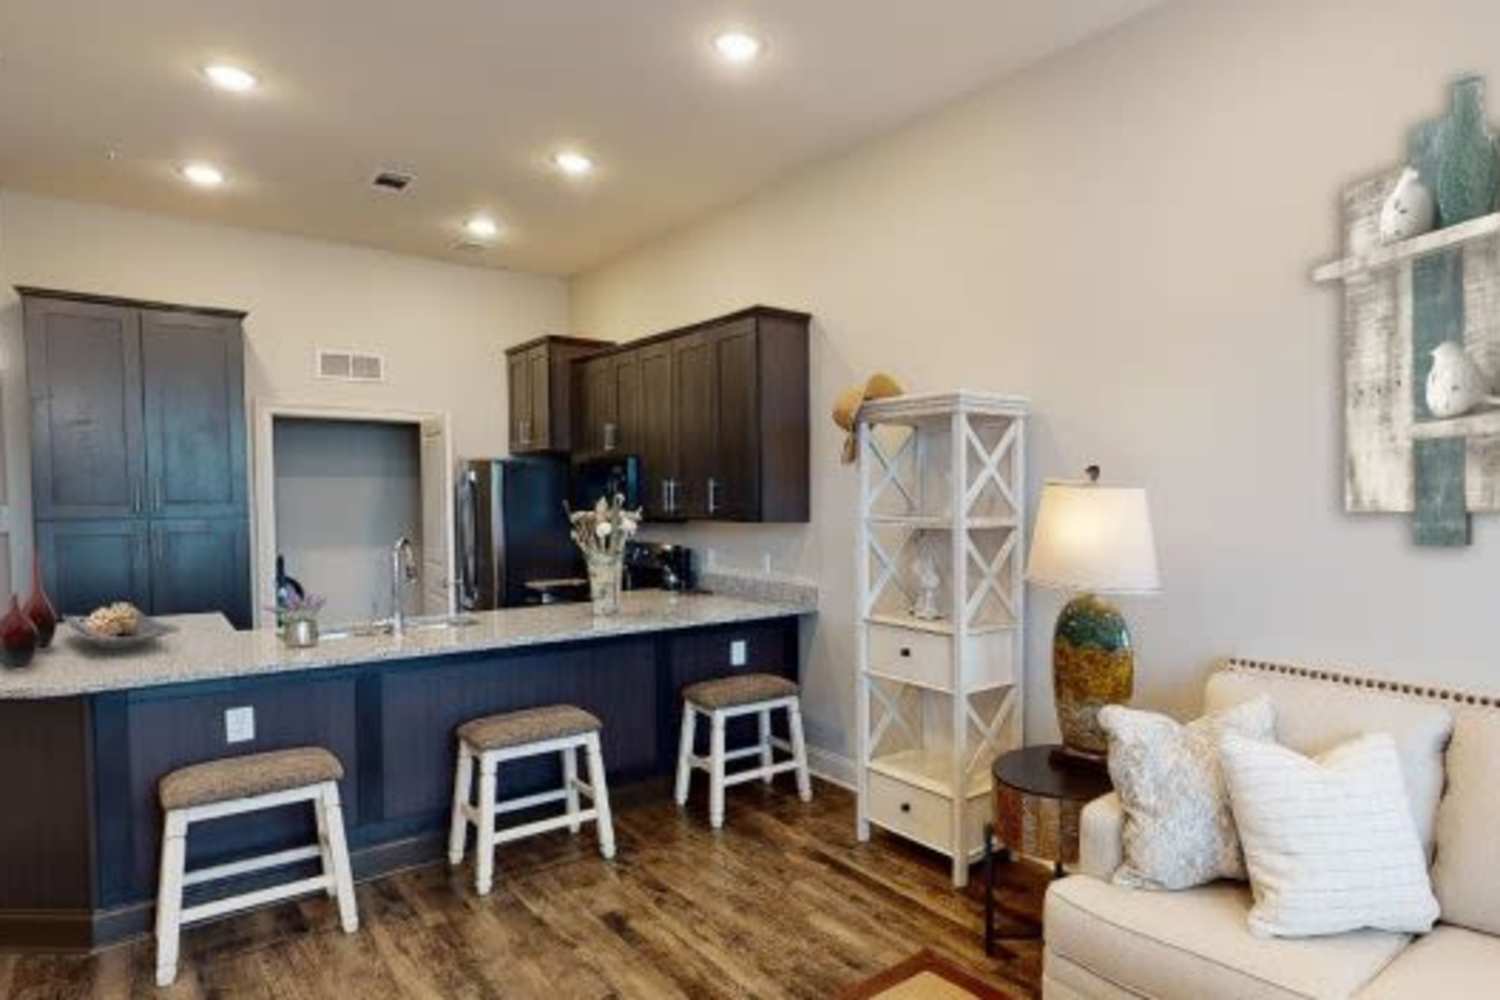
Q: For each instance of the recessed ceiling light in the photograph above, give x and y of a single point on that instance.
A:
(202, 174)
(573, 163)
(737, 46)
(482, 227)
(230, 78)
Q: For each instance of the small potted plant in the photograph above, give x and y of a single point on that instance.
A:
(298, 616)
(601, 533)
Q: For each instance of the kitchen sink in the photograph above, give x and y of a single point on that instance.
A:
(416, 623)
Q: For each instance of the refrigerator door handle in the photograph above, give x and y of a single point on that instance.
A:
(468, 592)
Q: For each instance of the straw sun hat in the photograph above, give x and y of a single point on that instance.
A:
(846, 406)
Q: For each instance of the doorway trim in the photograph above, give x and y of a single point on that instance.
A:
(263, 525)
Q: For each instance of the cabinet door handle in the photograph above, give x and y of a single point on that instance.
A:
(135, 497)
(906, 651)
(906, 807)
(713, 494)
(609, 437)
(666, 495)
(156, 494)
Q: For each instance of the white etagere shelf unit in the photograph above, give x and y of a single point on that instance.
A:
(941, 486)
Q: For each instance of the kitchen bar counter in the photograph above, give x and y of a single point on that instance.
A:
(201, 650)
(86, 739)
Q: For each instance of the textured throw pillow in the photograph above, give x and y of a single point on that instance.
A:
(1330, 843)
(1179, 831)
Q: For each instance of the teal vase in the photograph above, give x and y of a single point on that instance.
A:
(1468, 165)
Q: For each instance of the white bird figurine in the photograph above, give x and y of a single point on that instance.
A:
(1456, 383)
(1409, 210)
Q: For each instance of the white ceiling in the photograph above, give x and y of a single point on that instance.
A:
(473, 96)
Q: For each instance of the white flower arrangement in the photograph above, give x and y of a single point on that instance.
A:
(604, 529)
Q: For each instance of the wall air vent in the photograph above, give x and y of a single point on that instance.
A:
(392, 180)
(350, 366)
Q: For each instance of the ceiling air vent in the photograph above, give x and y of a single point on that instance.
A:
(350, 366)
(392, 180)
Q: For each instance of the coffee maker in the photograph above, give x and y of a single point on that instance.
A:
(660, 565)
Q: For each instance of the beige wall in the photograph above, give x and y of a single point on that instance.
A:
(442, 328)
(1124, 234)
(345, 490)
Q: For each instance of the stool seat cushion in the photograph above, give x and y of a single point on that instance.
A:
(744, 689)
(248, 776)
(532, 725)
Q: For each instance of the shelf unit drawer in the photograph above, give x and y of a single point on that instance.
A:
(924, 656)
(913, 812)
(924, 816)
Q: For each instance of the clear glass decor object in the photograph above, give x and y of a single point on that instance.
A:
(605, 573)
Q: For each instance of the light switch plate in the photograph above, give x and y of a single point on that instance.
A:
(239, 724)
(737, 653)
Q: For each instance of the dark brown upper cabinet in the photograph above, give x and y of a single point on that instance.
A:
(138, 425)
(88, 455)
(609, 411)
(539, 382)
(194, 375)
(717, 412)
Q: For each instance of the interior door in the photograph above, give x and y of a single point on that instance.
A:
(84, 366)
(194, 374)
(439, 573)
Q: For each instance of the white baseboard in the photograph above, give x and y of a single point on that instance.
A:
(832, 767)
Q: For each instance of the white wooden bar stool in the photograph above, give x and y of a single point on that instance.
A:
(245, 784)
(727, 698)
(554, 729)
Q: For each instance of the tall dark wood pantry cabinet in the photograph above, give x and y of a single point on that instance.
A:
(138, 453)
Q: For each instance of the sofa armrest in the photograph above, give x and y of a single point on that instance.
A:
(1099, 829)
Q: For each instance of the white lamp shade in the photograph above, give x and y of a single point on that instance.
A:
(1094, 538)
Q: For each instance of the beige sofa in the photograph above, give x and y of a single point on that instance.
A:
(1106, 941)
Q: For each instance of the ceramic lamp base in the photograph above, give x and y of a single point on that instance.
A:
(1093, 665)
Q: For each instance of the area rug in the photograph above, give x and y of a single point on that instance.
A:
(924, 976)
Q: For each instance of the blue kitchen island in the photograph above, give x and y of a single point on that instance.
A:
(85, 737)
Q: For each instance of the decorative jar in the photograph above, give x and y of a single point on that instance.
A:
(605, 573)
(17, 636)
(39, 608)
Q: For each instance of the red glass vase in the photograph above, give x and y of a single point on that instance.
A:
(17, 636)
(40, 610)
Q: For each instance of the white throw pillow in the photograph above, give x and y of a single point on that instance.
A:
(1179, 831)
(1330, 842)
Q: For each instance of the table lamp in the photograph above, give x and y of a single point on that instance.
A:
(1091, 540)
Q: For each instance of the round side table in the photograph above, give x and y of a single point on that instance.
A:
(1039, 797)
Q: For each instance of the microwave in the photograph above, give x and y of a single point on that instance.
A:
(606, 476)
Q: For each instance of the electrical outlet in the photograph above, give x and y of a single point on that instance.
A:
(239, 724)
(737, 653)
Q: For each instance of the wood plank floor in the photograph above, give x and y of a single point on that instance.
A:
(783, 902)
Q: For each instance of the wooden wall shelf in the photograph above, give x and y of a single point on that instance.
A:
(1482, 228)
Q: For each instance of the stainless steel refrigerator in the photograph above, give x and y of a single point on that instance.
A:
(512, 529)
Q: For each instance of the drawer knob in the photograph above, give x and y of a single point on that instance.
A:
(906, 651)
(906, 807)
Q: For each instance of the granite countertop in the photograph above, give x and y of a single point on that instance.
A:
(204, 649)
